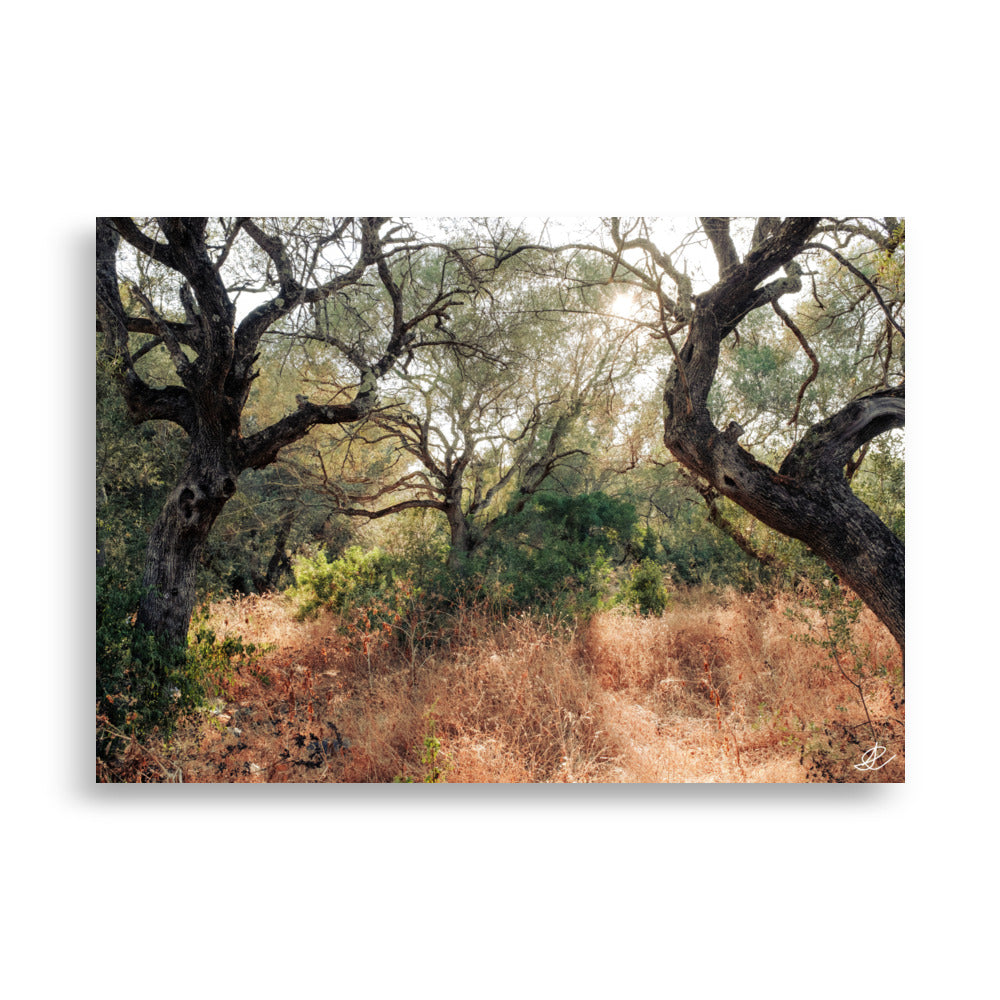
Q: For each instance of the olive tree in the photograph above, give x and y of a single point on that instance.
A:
(481, 422)
(764, 264)
(195, 269)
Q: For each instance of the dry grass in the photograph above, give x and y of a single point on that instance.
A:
(716, 690)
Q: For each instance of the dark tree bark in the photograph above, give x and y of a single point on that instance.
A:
(214, 359)
(720, 521)
(809, 497)
(178, 537)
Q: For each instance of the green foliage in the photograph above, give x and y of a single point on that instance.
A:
(881, 482)
(428, 757)
(211, 660)
(698, 554)
(135, 467)
(649, 545)
(555, 554)
(644, 590)
(558, 550)
(274, 513)
(890, 267)
(142, 684)
(839, 614)
(418, 543)
(355, 579)
(762, 377)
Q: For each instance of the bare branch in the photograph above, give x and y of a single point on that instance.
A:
(396, 508)
(259, 450)
(862, 278)
(275, 249)
(787, 320)
(143, 402)
(230, 240)
(182, 365)
(720, 521)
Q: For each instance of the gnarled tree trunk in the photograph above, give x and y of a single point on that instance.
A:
(177, 539)
(809, 498)
(214, 358)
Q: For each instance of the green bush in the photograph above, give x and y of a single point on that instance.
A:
(648, 544)
(142, 683)
(211, 661)
(355, 579)
(644, 590)
(556, 553)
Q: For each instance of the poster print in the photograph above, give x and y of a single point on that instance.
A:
(411, 500)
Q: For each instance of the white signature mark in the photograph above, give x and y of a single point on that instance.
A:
(870, 758)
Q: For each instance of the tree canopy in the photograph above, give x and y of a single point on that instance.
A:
(297, 380)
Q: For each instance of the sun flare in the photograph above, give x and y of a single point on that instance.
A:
(626, 304)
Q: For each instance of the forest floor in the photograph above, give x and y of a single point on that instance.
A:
(720, 688)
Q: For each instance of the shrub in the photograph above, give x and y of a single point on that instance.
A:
(146, 685)
(142, 682)
(355, 579)
(211, 661)
(644, 590)
(556, 553)
(429, 757)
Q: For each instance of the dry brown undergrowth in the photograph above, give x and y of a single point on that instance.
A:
(718, 689)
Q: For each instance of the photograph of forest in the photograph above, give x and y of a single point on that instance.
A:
(520, 500)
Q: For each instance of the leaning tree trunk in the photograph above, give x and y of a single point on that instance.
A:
(822, 512)
(809, 497)
(177, 540)
(864, 554)
(839, 527)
